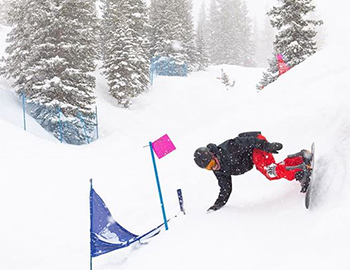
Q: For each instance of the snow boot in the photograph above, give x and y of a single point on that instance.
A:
(303, 177)
(305, 154)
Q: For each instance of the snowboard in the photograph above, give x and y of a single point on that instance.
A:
(310, 192)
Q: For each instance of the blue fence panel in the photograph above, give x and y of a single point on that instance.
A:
(165, 66)
(73, 130)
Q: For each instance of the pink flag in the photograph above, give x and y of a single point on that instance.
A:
(282, 66)
(163, 146)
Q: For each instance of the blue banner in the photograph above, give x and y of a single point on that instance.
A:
(106, 234)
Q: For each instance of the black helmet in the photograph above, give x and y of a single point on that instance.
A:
(202, 157)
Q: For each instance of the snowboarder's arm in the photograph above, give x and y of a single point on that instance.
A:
(225, 183)
(249, 142)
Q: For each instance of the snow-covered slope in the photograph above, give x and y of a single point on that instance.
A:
(45, 185)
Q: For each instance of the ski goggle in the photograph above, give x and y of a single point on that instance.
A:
(211, 164)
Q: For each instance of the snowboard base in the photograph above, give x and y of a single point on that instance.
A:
(310, 192)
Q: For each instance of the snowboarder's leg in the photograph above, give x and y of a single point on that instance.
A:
(305, 154)
(296, 168)
(303, 169)
(265, 163)
(293, 161)
(289, 167)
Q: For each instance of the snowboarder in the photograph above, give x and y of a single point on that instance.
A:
(239, 155)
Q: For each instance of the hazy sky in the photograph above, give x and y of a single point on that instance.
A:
(335, 16)
(257, 8)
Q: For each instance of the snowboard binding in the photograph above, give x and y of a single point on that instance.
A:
(305, 154)
(303, 176)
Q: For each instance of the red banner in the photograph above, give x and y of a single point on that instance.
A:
(282, 66)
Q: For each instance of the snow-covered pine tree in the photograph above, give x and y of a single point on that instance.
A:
(224, 78)
(295, 39)
(125, 48)
(160, 34)
(270, 75)
(201, 40)
(296, 30)
(172, 33)
(76, 26)
(4, 10)
(19, 39)
(51, 53)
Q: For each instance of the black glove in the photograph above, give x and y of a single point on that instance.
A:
(273, 147)
(214, 208)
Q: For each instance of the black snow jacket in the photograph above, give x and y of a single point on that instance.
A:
(235, 157)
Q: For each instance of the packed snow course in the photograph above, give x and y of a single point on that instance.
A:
(44, 195)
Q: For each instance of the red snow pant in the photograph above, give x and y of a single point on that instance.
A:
(263, 159)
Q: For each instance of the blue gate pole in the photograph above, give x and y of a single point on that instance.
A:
(91, 215)
(158, 185)
(151, 71)
(96, 123)
(24, 111)
(60, 122)
(156, 68)
(83, 123)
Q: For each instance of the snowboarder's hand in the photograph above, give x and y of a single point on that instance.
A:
(274, 147)
(213, 208)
